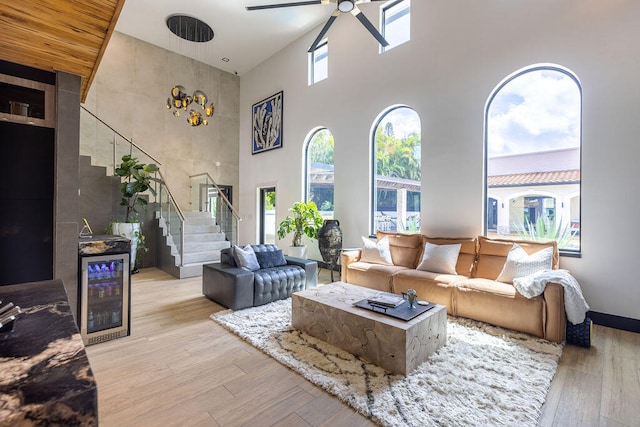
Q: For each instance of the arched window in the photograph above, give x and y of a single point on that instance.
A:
(533, 143)
(396, 171)
(319, 170)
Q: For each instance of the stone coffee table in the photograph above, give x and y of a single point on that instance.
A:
(399, 346)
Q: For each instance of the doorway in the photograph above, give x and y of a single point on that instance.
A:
(210, 200)
(267, 233)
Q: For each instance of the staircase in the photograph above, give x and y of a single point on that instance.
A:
(203, 242)
(180, 243)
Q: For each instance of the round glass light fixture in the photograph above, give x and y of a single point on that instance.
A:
(190, 28)
(180, 100)
(345, 5)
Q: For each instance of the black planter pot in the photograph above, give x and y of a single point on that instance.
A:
(330, 242)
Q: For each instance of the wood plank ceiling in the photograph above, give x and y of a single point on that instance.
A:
(58, 35)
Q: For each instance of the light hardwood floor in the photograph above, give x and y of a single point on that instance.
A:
(179, 368)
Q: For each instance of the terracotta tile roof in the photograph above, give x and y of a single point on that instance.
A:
(535, 178)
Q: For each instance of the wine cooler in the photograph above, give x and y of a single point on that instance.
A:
(104, 297)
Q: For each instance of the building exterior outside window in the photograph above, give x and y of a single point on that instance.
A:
(396, 164)
(533, 163)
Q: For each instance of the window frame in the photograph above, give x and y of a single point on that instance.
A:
(307, 184)
(374, 164)
(537, 67)
(384, 9)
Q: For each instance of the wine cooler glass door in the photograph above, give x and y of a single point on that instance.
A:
(104, 293)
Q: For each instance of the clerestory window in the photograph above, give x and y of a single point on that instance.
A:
(319, 63)
(396, 23)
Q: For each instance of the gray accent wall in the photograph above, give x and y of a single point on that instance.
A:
(67, 184)
(130, 92)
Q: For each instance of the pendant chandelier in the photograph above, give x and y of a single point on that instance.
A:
(179, 100)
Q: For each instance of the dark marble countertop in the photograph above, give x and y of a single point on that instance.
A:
(45, 376)
(103, 245)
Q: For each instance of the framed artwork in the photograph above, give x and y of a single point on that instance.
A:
(266, 123)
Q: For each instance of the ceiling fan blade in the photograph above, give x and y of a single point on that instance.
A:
(324, 30)
(369, 26)
(278, 5)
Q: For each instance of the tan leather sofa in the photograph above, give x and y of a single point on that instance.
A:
(473, 292)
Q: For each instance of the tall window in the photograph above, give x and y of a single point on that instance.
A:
(319, 171)
(397, 171)
(533, 144)
(319, 63)
(396, 23)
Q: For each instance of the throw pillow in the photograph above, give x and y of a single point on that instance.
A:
(269, 259)
(520, 264)
(440, 258)
(376, 253)
(246, 258)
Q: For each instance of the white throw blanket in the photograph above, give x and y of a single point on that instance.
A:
(574, 302)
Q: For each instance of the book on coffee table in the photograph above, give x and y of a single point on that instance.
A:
(386, 300)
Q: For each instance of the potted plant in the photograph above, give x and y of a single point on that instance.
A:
(306, 221)
(137, 179)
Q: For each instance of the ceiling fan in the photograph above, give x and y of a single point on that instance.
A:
(343, 6)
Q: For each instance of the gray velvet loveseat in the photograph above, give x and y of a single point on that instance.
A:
(276, 277)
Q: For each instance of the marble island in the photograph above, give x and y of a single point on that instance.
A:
(103, 245)
(45, 376)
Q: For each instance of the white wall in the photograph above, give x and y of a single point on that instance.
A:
(459, 52)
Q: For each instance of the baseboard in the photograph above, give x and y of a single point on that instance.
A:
(613, 321)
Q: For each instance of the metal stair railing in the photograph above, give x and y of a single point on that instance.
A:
(96, 135)
(207, 196)
(173, 217)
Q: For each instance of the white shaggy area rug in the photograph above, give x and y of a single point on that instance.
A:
(484, 376)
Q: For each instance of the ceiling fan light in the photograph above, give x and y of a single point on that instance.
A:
(345, 5)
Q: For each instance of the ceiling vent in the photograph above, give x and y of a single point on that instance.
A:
(189, 28)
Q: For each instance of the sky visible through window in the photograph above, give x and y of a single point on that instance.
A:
(536, 111)
(397, 23)
(405, 122)
(319, 63)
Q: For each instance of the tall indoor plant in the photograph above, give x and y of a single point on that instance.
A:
(305, 221)
(137, 178)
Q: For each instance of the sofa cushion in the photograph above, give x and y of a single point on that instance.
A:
(487, 285)
(245, 258)
(269, 259)
(467, 256)
(440, 258)
(228, 257)
(520, 264)
(273, 284)
(499, 304)
(432, 287)
(374, 276)
(406, 249)
(492, 254)
(376, 253)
